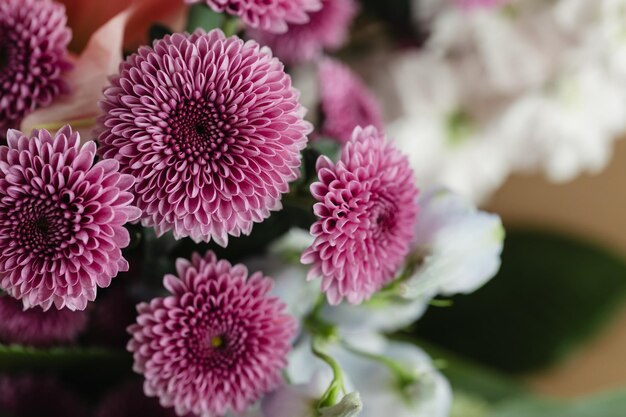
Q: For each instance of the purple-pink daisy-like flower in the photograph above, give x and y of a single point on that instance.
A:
(327, 29)
(61, 219)
(211, 128)
(345, 102)
(217, 343)
(35, 327)
(367, 209)
(33, 55)
(272, 16)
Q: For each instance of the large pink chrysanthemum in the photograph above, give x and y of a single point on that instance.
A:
(345, 102)
(367, 212)
(218, 343)
(212, 130)
(35, 327)
(273, 15)
(327, 29)
(33, 55)
(61, 219)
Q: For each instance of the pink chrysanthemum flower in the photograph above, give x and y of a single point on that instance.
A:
(367, 212)
(345, 102)
(61, 219)
(33, 55)
(272, 16)
(218, 343)
(35, 327)
(212, 130)
(327, 29)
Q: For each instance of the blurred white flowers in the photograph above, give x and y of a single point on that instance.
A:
(523, 85)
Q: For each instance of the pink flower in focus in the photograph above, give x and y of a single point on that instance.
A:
(345, 102)
(217, 343)
(367, 212)
(61, 219)
(211, 128)
(327, 29)
(35, 327)
(33, 57)
(272, 16)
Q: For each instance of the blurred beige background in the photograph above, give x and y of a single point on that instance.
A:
(593, 207)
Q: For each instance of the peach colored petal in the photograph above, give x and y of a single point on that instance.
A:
(85, 17)
(100, 59)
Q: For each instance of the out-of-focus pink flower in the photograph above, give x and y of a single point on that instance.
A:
(367, 212)
(37, 395)
(217, 343)
(128, 400)
(327, 29)
(33, 57)
(475, 4)
(34, 327)
(345, 102)
(86, 17)
(100, 59)
(211, 128)
(272, 16)
(61, 219)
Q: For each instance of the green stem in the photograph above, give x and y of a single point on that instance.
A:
(405, 377)
(230, 25)
(337, 387)
(86, 122)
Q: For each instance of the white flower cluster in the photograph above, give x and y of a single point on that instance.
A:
(524, 85)
(457, 250)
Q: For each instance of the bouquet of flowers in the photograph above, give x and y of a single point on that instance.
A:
(209, 187)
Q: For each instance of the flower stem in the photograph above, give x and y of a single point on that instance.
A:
(230, 25)
(86, 122)
(336, 387)
(404, 376)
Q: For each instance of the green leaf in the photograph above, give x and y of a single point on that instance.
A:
(21, 358)
(606, 405)
(474, 379)
(202, 17)
(551, 295)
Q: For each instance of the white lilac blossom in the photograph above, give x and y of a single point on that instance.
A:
(449, 133)
(570, 126)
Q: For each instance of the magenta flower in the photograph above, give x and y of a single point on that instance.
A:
(35, 327)
(345, 102)
(212, 130)
(273, 16)
(33, 55)
(327, 29)
(128, 400)
(367, 212)
(61, 219)
(218, 343)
